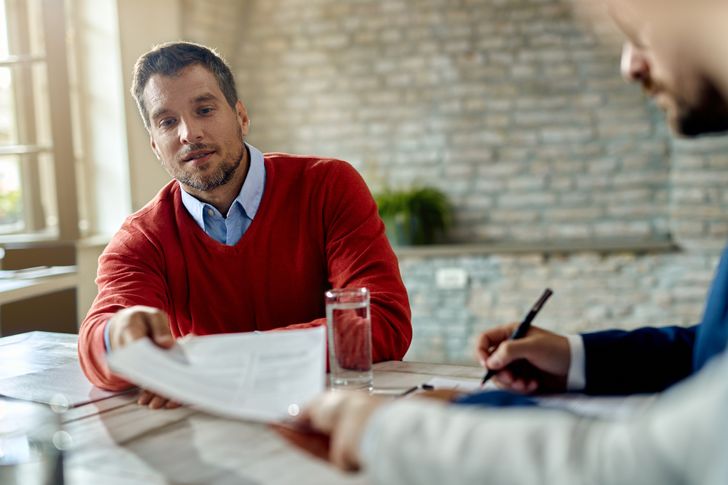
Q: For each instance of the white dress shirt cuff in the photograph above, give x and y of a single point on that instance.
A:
(576, 378)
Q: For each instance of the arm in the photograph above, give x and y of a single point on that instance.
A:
(615, 361)
(681, 438)
(129, 274)
(643, 360)
(359, 254)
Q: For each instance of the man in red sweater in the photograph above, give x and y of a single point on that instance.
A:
(239, 241)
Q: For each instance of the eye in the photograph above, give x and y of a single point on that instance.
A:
(167, 122)
(206, 110)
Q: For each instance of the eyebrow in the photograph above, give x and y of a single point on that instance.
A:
(205, 97)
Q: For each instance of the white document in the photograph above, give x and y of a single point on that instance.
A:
(605, 407)
(464, 385)
(258, 376)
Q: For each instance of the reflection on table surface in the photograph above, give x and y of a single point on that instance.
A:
(114, 440)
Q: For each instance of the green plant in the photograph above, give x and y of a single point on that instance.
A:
(420, 215)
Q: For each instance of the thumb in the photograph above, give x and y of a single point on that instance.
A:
(160, 333)
(507, 352)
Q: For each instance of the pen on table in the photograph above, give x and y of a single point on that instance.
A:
(424, 387)
(522, 329)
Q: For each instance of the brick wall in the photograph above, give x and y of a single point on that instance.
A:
(591, 291)
(518, 113)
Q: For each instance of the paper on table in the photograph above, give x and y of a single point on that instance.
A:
(465, 385)
(590, 406)
(605, 407)
(257, 376)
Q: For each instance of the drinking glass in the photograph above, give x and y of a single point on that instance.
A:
(350, 338)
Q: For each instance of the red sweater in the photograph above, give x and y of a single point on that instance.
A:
(317, 228)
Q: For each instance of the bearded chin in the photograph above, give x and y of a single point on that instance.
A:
(220, 177)
(692, 125)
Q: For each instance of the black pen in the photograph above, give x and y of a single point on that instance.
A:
(523, 327)
(424, 387)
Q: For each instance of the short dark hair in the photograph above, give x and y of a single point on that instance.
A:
(169, 59)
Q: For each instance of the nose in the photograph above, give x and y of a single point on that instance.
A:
(190, 132)
(634, 65)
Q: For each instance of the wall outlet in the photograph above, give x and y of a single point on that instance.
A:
(451, 279)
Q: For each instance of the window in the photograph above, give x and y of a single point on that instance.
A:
(37, 176)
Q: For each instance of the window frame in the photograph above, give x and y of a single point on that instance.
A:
(59, 113)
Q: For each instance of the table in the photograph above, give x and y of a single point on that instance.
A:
(116, 441)
(37, 283)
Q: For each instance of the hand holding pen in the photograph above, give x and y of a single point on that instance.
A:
(524, 358)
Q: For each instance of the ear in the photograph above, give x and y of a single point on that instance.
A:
(153, 144)
(243, 119)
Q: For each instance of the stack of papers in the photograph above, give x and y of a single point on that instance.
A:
(256, 376)
(36, 272)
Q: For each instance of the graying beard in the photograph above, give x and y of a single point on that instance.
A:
(222, 177)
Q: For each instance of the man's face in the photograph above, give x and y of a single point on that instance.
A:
(194, 132)
(656, 55)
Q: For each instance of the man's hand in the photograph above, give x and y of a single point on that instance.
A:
(138, 322)
(538, 362)
(343, 416)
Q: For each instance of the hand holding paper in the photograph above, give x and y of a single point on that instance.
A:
(263, 376)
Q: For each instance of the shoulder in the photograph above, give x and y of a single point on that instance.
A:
(288, 163)
(312, 170)
(152, 220)
(161, 206)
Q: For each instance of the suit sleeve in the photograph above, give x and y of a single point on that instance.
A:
(680, 438)
(643, 360)
(129, 273)
(358, 254)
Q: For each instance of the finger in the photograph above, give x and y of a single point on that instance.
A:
(159, 329)
(491, 339)
(135, 329)
(347, 436)
(504, 378)
(157, 402)
(512, 350)
(325, 415)
(305, 414)
(519, 386)
(172, 405)
(336, 452)
(144, 398)
(304, 417)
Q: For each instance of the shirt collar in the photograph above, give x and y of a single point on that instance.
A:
(249, 197)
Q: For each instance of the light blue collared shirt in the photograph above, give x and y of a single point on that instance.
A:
(229, 229)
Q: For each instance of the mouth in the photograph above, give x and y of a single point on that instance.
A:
(198, 156)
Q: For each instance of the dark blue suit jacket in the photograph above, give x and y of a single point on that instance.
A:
(652, 359)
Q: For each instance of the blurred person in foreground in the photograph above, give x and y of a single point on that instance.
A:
(240, 240)
(680, 56)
